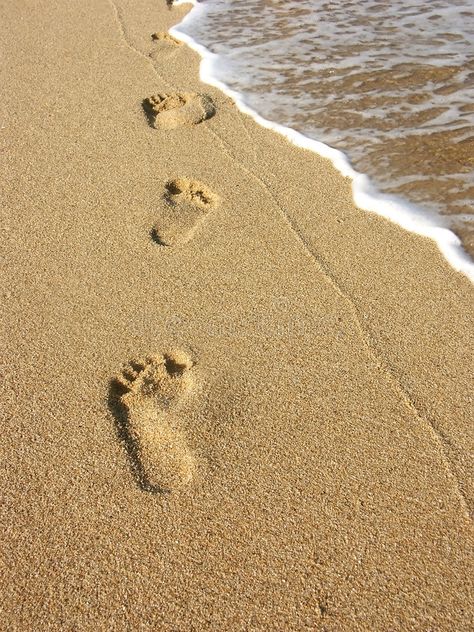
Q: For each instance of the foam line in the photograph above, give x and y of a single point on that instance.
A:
(365, 194)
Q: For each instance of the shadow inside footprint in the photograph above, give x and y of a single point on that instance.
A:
(149, 112)
(142, 401)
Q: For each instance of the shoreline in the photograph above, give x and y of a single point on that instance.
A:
(366, 196)
(295, 371)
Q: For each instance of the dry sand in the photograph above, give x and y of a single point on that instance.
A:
(294, 370)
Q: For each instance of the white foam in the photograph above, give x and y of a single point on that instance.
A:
(365, 194)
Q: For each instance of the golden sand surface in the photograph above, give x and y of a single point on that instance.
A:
(231, 400)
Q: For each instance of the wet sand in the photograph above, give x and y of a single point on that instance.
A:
(230, 399)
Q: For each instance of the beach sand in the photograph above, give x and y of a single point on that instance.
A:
(264, 424)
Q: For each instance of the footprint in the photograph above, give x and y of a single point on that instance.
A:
(169, 111)
(145, 398)
(187, 202)
(165, 37)
(165, 46)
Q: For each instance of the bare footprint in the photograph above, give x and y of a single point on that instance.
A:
(162, 36)
(165, 45)
(169, 111)
(148, 394)
(187, 202)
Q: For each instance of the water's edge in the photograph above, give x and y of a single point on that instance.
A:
(365, 195)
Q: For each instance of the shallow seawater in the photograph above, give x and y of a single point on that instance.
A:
(389, 83)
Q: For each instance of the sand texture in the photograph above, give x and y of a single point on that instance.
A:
(231, 400)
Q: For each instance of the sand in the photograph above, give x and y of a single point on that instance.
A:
(231, 400)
